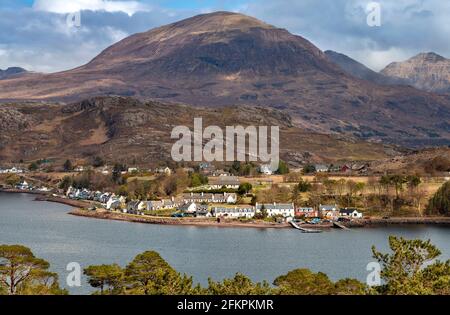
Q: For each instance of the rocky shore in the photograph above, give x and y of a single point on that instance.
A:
(206, 222)
(212, 222)
(406, 221)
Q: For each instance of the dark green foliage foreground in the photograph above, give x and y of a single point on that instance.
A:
(440, 203)
(22, 273)
(411, 268)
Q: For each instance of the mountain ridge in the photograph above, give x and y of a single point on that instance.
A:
(361, 71)
(228, 59)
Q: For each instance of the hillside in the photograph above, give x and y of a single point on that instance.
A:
(360, 71)
(434, 161)
(229, 59)
(130, 131)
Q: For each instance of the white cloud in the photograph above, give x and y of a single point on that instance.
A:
(408, 26)
(61, 7)
(115, 34)
(39, 38)
(379, 59)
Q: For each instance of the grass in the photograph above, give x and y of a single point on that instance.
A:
(141, 178)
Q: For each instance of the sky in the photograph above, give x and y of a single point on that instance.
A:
(36, 34)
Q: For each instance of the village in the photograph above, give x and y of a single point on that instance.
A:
(220, 198)
(320, 195)
(218, 205)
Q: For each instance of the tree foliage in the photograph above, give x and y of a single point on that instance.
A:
(304, 282)
(440, 202)
(33, 167)
(411, 268)
(309, 169)
(12, 180)
(108, 278)
(68, 166)
(23, 273)
(303, 186)
(244, 188)
(150, 274)
(98, 162)
(198, 179)
(239, 285)
(283, 168)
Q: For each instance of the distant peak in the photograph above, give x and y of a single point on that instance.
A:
(429, 57)
(14, 69)
(11, 71)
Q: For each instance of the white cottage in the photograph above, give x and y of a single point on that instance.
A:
(277, 209)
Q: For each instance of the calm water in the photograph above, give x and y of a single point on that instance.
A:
(60, 238)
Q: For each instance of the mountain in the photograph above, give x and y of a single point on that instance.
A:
(229, 59)
(123, 129)
(359, 70)
(11, 72)
(426, 71)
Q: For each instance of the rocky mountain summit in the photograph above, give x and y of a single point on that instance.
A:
(426, 71)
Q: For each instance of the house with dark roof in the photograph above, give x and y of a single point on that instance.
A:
(229, 182)
(163, 204)
(202, 211)
(136, 207)
(189, 208)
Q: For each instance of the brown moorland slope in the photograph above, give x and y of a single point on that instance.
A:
(127, 130)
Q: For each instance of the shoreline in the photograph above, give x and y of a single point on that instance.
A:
(78, 210)
(198, 222)
(203, 222)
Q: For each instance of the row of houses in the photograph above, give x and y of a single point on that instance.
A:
(197, 204)
(331, 212)
(210, 198)
(220, 182)
(112, 201)
(85, 194)
(12, 170)
(345, 168)
(25, 186)
(287, 210)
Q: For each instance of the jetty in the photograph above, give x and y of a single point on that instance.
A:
(340, 226)
(303, 230)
